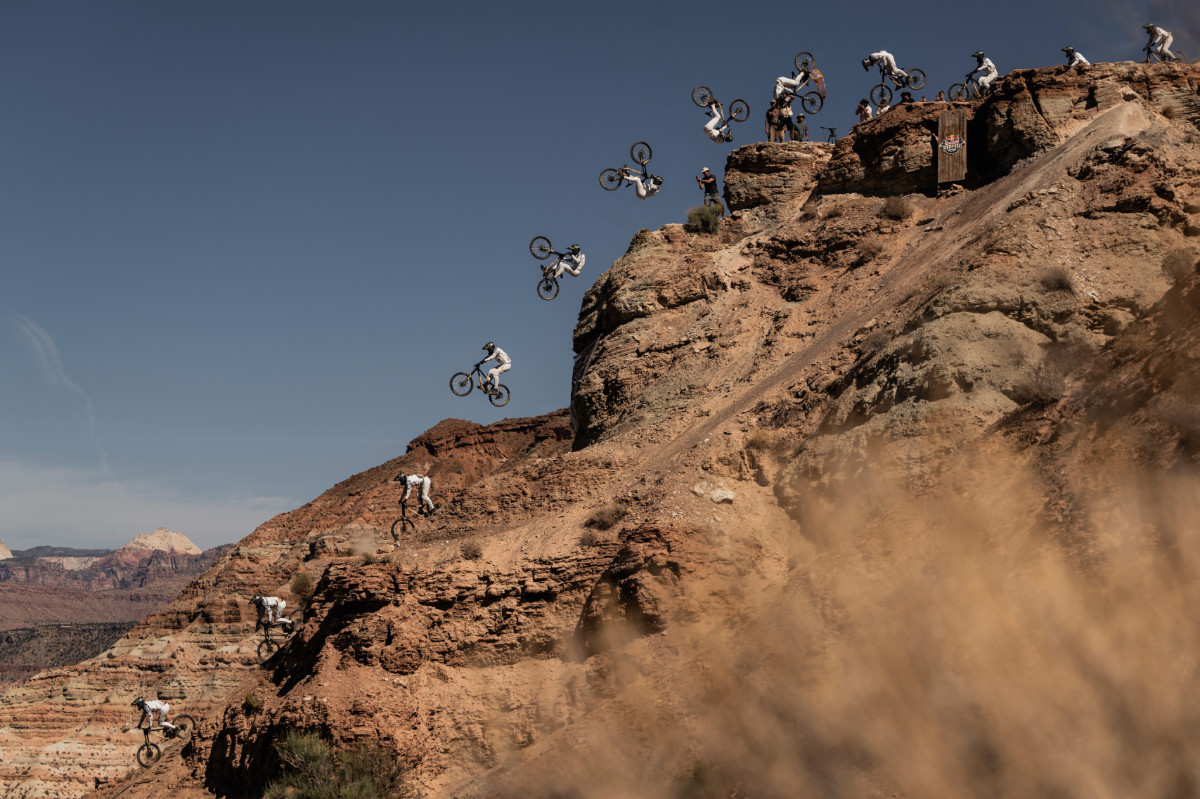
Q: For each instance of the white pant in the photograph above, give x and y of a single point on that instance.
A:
(714, 132)
(889, 64)
(639, 186)
(1078, 60)
(1164, 46)
(272, 612)
(493, 379)
(785, 84)
(986, 81)
(423, 494)
(565, 266)
(154, 714)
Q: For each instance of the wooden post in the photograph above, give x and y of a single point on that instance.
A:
(952, 145)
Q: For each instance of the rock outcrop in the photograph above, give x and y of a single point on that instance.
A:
(162, 540)
(5, 552)
(730, 580)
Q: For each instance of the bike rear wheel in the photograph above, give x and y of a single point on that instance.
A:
(185, 726)
(610, 179)
(541, 248)
(267, 648)
(499, 397)
(547, 288)
(881, 94)
(702, 96)
(148, 754)
(295, 617)
(812, 102)
(1181, 57)
(461, 384)
(641, 152)
(739, 110)
(804, 61)
(916, 79)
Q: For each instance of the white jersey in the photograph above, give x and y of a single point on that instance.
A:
(1077, 60)
(499, 356)
(1158, 35)
(986, 67)
(571, 263)
(155, 706)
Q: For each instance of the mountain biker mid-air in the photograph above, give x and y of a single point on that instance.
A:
(270, 611)
(785, 84)
(504, 363)
(152, 710)
(571, 263)
(1160, 41)
(717, 128)
(883, 57)
(1075, 58)
(984, 65)
(420, 482)
(645, 185)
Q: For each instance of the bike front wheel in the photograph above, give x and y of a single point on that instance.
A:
(148, 754)
(959, 91)
(804, 61)
(881, 94)
(641, 152)
(402, 525)
(739, 110)
(702, 96)
(267, 648)
(916, 79)
(461, 384)
(547, 288)
(185, 727)
(541, 248)
(812, 102)
(610, 180)
(499, 397)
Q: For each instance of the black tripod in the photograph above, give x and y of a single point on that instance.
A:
(832, 133)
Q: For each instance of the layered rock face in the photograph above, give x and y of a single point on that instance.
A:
(741, 574)
(5, 552)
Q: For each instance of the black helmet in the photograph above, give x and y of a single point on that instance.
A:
(1148, 25)
(137, 703)
(574, 248)
(256, 600)
(656, 178)
(1068, 50)
(866, 62)
(490, 347)
(977, 54)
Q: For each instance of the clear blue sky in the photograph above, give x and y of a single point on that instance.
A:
(244, 245)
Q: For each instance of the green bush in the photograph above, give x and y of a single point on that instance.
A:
(313, 770)
(706, 219)
(303, 586)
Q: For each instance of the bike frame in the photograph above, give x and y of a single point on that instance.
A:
(883, 74)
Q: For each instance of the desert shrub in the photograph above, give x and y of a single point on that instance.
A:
(1168, 111)
(875, 341)
(472, 549)
(706, 219)
(897, 207)
(606, 516)
(1058, 278)
(251, 704)
(369, 559)
(868, 250)
(829, 211)
(1178, 264)
(313, 770)
(303, 586)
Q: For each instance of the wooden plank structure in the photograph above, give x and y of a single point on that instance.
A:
(952, 145)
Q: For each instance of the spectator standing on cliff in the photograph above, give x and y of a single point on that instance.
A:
(984, 65)
(154, 712)
(774, 124)
(785, 114)
(422, 484)
(1160, 41)
(709, 183)
(1075, 58)
(800, 129)
(717, 128)
(906, 98)
(941, 97)
(864, 111)
(883, 109)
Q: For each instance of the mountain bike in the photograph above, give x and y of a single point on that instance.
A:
(1152, 57)
(462, 384)
(269, 646)
(149, 753)
(541, 249)
(613, 179)
(405, 523)
(739, 109)
(969, 89)
(881, 93)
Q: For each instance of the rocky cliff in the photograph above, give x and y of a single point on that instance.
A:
(884, 468)
(5, 552)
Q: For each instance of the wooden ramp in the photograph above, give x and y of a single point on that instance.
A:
(952, 145)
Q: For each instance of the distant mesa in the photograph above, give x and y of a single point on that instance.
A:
(164, 540)
(5, 552)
